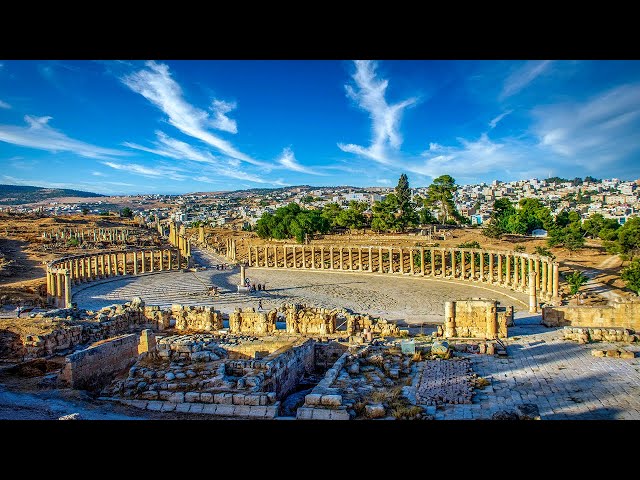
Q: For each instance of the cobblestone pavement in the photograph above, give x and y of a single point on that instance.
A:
(402, 297)
(562, 378)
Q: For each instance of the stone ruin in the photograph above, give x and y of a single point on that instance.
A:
(191, 318)
(248, 321)
(304, 320)
(357, 324)
(476, 318)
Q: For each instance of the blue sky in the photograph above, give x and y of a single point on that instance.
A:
(126, 127)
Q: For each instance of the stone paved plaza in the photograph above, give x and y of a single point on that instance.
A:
(561, 377)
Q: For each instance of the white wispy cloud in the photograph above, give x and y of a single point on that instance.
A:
(369, 94)
(4, 105)
(220, 121)
(98, 174)
(157, 171)
(156, 85)
(170, 147)
(523, 77)
(40, 135)
(434, 146)
(288, 161)
(594, 133)
(494, 121)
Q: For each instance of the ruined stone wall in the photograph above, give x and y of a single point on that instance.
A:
(286, 369)
(200, 319)
(476, 318)
(305, 320)
(109, 322)
(358, 323)
(590, 334)
(259, 349)
(623, 315)
(92, 366)
(326, 354)
(248, 321)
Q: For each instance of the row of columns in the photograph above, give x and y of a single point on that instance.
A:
(110, 234)
(86, 268)
(230, 252)
(507, 269)
(178, 238)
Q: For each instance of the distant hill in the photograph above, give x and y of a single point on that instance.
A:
(20, 194)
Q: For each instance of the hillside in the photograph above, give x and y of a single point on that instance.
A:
(21, 194)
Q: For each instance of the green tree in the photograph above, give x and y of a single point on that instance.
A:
(352, 217)
(407, 215)
(440, 194)
(629, 238)
(384, 214)
(104, 213)
(331, 211)
(85, 210)
(520, 249)
(544, 252)
(126, 212)
(306, 199)
(597, 223)
(426, 217)
(575, 280)
(73, 242)
(631, 275)
(291, 221)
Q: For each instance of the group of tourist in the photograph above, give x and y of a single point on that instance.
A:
(253, 287)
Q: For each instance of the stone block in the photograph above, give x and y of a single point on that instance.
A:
(176, 397)
(192, 397)
(612, 353)
(196, 408)
(183, 407)
(155, 406)
(257, 412)
(339, 415)
(304, 413)
(225, 410)
(168, 407)
(210, 409)
(331, 400)
(312, 399)
(321, 414)
(528, 411)
(206, 397)
(598, 353)
(238, 398)
(252, 400)
(626, 354)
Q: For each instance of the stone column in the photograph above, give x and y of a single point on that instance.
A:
(58, 289)
(473, 265)
(179, 260)
(370, 258)
(422, 261)
(401, 255)
(481, 266)
(350, 258)
(331, 257)
(102, 272)
(523, 273)
(48, 281)
(135, 262)
(390, 260)
(537, 270)
(82, 274)
(341, 255)
(313, 257)
(143, 267)
(108, 265)
(543, 285)
(67, 289)
(556, 279)
(161, 260)
(201, 233)
(533, 301)
(360, 259)
(322, 258)
(463, 266)
(453, 262)
(508, 272)
(492, 320)
(449, 318)
(243, 277)
(500, 269)
(516, 281)
(380, 260)
(491, 268)
(432, 251)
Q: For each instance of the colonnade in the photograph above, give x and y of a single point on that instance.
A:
(95, 234)
(65, 272)
(178, 238)
(528, 273)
